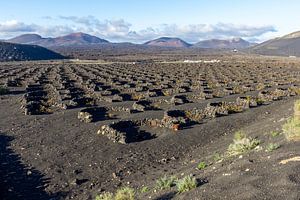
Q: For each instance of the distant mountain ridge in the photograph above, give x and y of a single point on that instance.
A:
(73, 39)
(287, 45)
(83, 39)
(168, 42)
(235, 43)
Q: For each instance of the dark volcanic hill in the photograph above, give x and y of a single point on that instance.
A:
(168, 42)
(20, 52)
(26, 39)
(74, 39)
(288, 45)
(78, 39)
(236, 43)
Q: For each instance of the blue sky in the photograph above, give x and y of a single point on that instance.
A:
(141, 20)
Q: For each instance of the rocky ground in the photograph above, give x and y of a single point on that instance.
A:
(72, 131)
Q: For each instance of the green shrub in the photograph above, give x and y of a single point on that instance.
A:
(185, 184)
(145, 189)
(201, 165)
(297, 106)
(239, 135)
(217, 157)
(125, 193)
(165, 182)
(291, 129)
(275, 133)
(297, 110)
(105, 196)
(260, 101)
(272, 146)
(241, 144)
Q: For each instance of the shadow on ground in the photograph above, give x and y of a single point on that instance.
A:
(16, 180)
(167, 196)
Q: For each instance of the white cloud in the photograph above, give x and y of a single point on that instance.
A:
(15, 26)
(107, 28)
(121, 31)
(197, 32)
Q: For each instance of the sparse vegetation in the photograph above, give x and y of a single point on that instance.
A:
(217, 157)
(125, 193)
(239, 135)
(232, 108)
(105, 196)
(275, 133)
(272, 146)
(144, 189)
(241, 144)
(59, 88)
(186, 184)
(297, 110)
(296, 90)
(291, 128)
(260, 101)
(202, 165)
(260, 86)
(165, 182)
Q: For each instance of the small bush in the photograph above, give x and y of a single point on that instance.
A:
(239, 135)
(125, 193)
(232, 108)
(297, 110)
(241, 144)
(145, 189)
(201, 165)
(217, 157)
(105, 196)
(272, 146)
(260, 86)
(275, 133)
(165, 182)
(260, 101)
(3, 90)
(296, 90)
(291, 129)
(185, 184)
(297, 106)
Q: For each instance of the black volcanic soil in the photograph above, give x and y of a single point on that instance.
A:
(55, 156)
(20, 52)
(254, 175)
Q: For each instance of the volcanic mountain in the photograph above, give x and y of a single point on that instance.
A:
(288, 45)
(26, 39)
(20, 52)
(168, 42)
(74, 39)
(236, 43)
